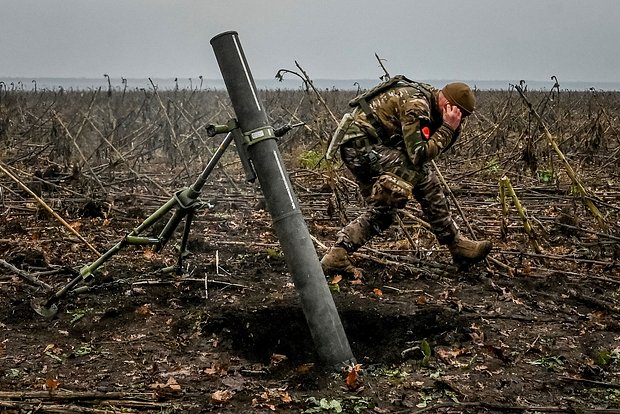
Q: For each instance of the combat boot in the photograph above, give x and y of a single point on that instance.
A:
(469, 251)
(337, 260)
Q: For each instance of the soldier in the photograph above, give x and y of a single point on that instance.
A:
(387, 143)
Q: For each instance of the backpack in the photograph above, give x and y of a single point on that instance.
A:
(362, 100)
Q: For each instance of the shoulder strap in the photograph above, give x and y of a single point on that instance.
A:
(376, 90)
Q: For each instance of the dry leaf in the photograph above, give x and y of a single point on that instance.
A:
(144, 310)
(421, 300)
(53, 349)
(149, 253)
(221, 396)
(285, 398)
(377, 292)
(336, 280)
(477, 338)
(52, 384)
(449, 356)
(353, 382)
(170, 386)
(498, 352)
(357, 273)
(178, 372)
(270, 394)
(211, 372)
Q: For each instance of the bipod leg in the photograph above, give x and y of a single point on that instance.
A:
(186, 202)
(217, 155)
(188, 197)
(49, 308)
(183, 252)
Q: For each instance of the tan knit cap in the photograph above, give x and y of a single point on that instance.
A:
(459, 94)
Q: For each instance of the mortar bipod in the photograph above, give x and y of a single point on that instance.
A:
(185, 202)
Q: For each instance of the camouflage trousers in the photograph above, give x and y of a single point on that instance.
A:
(368, 162)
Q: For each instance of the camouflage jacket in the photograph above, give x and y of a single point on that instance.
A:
(410, 118)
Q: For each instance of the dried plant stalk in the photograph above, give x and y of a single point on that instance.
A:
(585, 197)
(505, 188)
(49, 209)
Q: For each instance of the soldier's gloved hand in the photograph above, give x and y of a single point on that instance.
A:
(452, 116)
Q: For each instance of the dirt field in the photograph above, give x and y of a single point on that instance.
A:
(534, 329)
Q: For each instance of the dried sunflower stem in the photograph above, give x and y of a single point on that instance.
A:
(77, 147)
(506, 187)
(585, 197)
(49, 209)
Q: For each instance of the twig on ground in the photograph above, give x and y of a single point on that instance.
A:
(25, 275)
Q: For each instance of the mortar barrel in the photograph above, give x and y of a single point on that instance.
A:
(301, 258)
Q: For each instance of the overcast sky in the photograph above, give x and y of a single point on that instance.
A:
(575, 40)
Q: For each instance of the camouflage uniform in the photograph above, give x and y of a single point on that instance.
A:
(390, 168)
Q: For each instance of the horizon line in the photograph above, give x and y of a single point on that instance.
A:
(172, 78)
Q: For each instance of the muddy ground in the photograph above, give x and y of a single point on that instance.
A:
(468, 340)
(524, 332)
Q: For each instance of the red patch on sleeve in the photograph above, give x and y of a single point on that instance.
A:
(426, 132)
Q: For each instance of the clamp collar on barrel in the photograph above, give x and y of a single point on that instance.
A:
(259, 134)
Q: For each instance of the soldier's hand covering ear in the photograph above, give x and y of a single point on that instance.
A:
(452, 116)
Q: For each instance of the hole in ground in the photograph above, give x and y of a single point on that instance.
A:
(375, 335)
